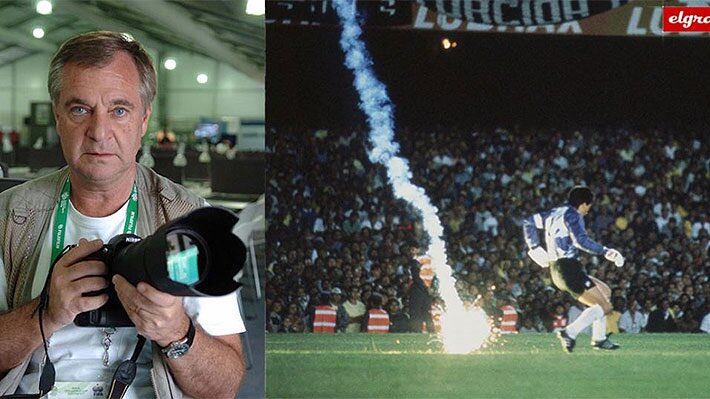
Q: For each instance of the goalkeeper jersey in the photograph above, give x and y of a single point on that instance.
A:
(564, 233)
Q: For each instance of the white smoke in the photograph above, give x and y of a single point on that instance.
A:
(462, 330)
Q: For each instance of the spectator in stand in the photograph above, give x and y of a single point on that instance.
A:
(355, 310)
(328, 315)
(336, 302)
(399, 321)
(509, 322)
(275, 321)
(685, 322)
(293, 322)
(632, 321)
(376, 319)
(559, 320)
(420, 301)
(648, 307)
(661, 319)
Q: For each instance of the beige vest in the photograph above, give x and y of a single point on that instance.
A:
(25, 214)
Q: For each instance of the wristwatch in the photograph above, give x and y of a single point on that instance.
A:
(180, 347)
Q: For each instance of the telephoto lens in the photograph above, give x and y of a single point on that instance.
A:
(195, 255)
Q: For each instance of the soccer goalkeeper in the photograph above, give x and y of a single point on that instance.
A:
(564, 236)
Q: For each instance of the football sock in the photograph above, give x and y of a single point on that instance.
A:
(585, 319)
(599, 329)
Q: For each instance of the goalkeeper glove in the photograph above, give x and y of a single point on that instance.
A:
(613, 255)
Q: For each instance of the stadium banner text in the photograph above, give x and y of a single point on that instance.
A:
(635, 18)
(400, 14)
(565, 17)
(686, 19)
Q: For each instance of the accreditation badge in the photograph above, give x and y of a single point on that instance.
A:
(79, 390)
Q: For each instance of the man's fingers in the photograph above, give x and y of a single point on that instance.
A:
(157, 315)
(89, 284)
(87, 303)
(81, 251)
(154, 295)
(125, 290)
(130, 297)
(86, 268)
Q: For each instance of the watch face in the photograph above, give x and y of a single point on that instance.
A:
(177, 351)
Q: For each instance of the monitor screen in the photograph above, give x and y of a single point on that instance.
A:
(207, 131)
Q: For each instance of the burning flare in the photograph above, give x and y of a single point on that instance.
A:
(462, 330)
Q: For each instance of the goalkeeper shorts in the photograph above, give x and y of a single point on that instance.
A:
(568, 275)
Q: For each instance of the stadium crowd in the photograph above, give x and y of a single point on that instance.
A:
(338, 236)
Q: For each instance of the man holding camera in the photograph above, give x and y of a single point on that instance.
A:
(102, 85)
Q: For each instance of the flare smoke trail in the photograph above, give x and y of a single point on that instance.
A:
(462, 330)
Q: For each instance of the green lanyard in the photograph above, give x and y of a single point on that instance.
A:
(60, 218)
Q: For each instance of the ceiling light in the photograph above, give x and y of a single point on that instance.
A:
(170, 64)
(38, 33)
(202, 78)
(255, 7)
(44, 7)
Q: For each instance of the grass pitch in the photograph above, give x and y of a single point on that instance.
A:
(524, 366)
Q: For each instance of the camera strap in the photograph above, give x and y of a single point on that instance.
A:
(125, 373)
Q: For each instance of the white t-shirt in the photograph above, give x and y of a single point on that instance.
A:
(77, 352)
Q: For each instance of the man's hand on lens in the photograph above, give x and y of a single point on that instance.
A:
(73, 277)
(158, 316)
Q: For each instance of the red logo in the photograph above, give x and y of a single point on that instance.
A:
(686, 19)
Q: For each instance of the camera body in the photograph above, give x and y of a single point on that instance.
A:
(112, 313)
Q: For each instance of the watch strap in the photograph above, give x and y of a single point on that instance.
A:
(190, 333)
(186, 340)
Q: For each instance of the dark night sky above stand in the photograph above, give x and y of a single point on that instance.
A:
(542, 80)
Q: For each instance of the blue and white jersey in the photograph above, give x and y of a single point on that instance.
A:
(564, 233)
